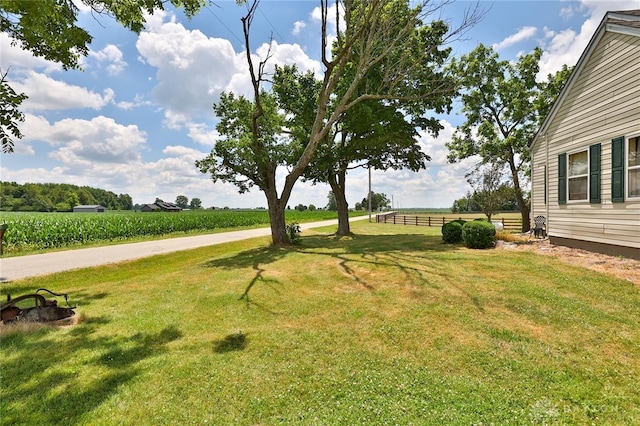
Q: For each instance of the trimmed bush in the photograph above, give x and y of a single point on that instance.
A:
(478, 234)
(452, 231)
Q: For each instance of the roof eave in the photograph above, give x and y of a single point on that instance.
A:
(572, 78)
(621, 27)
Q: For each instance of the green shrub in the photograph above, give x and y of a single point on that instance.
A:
(478, 234)
(452, 231)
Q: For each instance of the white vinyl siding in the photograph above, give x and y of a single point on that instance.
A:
(601, 105)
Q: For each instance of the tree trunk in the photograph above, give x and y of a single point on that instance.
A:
(338, 188)
(522, 205)
(276, 218)
(276, 207)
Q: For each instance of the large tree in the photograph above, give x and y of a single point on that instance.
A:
(504, 104)
(375, 36)
(48, 29)
(489, 189)
(182, 201)
(374, 133)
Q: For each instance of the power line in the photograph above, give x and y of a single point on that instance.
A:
(225, 25)
(272, 26)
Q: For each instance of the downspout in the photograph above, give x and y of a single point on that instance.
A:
(547, 179)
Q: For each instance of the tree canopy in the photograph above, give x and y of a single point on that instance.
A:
(182, 201)
(380, 43)
(60, 197)
(504, 104)
(378, 201)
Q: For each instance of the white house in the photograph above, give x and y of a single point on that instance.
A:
(585, 165)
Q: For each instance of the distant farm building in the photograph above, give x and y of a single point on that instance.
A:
(89, 209)
(161, 206)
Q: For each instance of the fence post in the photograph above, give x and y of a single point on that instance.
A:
(442, 220)
(429, 221)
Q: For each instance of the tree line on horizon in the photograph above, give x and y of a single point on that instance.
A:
(57, 197)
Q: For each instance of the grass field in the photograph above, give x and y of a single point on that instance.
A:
(388, 326)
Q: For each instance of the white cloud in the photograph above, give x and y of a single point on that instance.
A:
(523, 33)
(104, 154)
(298, 26)
(316, 16)
(85, 142)
(288, 54)
(112, 57)
(138, 101)
(193, 69)
(202, 134)
(566, 47)
(439, 185)
(15, 56)
(47, 94)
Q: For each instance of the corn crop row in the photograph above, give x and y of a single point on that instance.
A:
(33, 231)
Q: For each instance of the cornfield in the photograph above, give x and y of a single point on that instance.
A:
(36, 231)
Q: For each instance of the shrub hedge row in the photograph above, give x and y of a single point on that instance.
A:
(476, 234)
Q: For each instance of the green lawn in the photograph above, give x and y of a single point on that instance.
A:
(389, 326)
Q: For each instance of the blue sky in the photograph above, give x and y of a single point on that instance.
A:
(140, 113)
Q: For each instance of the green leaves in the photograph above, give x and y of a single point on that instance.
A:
(503, 101)
(10, 115)
(504, 104)
(46, 28)
(246, 156)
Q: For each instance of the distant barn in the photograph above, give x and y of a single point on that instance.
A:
(161, 206)
(150, 208)
(89, 209)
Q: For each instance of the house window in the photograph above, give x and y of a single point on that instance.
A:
(578, 176)
(633, 166)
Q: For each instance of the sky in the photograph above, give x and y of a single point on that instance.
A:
(139, 113)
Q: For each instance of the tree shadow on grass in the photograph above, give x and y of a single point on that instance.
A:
(231, 343)
(395, 251)
(42, 371)
(401, 252)
(253, 258)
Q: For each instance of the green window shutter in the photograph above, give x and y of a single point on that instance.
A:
(562, 178)
(617, 170)
(594, 173)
